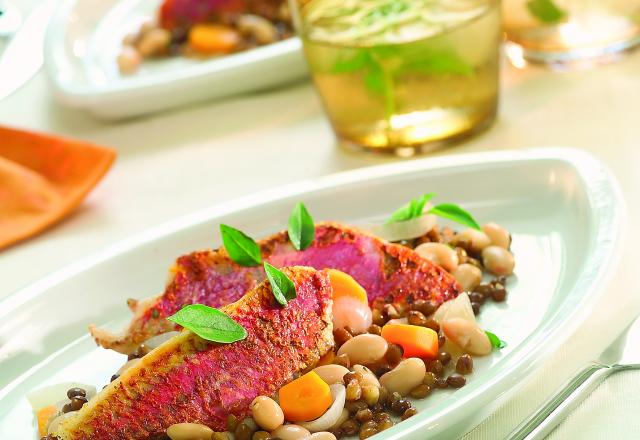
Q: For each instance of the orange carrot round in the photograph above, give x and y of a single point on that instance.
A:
(212, 39)
(306, 398)
(421, 342)
(344, 285)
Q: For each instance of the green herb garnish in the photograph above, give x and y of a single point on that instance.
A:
(209, 323)
(241, 248)
(546, 11)
(413, 209)
(379, 77)
(496, 342)
(455, 213)
(302, 230)
(283, 288)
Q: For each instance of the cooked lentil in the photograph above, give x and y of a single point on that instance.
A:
(76, 392)
(421, 391)
(409, 413)
(456, 381)
(464, 365)
(444, 357)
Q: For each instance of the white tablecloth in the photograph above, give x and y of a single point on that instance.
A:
(176, 163)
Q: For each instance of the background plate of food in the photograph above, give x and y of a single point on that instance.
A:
(123, 58)
(561, 218)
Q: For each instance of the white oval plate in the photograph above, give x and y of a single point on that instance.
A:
(563, 209)
(84, 38)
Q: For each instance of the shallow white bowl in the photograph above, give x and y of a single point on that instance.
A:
(563, 209)
(84, 38)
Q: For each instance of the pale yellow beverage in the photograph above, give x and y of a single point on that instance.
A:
(567, 31)
(403, 75)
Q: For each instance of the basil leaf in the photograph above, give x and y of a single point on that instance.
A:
(411, 210)
(496, 342)
(455, 213)
(302, 230)
(437, 63)
(283, 288)
(209, 323)
(241, 248)
(546, 11)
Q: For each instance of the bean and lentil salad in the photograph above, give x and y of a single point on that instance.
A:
(221, 31)
(385, 356)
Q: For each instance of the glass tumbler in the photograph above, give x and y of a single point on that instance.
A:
(402, 76)
(570, 33)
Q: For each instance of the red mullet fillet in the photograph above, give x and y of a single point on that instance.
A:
(385, 270)
(188, 379)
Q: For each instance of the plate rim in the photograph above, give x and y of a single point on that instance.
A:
(600, 186)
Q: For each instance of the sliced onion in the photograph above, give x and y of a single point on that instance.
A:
(398, 321)
(331, 416)
(344, 416)
(405, 230)
(460, 307)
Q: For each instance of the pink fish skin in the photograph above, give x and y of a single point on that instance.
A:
(188, 379)
(385, 270)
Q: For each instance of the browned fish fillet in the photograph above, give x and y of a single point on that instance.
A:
(188, 379)
(385, 270)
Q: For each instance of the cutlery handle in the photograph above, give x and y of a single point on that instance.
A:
(554, 410)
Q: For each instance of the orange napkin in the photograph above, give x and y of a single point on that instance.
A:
(42, 179)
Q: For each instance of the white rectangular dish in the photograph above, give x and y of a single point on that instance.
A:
(563, 209)
(84, 38)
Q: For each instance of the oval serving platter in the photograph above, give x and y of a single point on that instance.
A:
(562, 207)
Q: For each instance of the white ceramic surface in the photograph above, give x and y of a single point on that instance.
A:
(85, 37)
(562, 207)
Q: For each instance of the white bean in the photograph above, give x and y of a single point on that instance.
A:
(291, 432)
(468, 275)
(364, 349)
(259, 27)
(267, 413)
(407, 375)
(189, 431)
(154, 42)
(498, 235)
(474, 239)
(128, 60)
(439, 254)
(368, 378)
(331, 373)
(467, 335)
(498, 260)
(324, 435)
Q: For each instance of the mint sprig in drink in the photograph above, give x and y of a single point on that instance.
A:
(398, 75)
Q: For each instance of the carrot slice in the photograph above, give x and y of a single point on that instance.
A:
(43, 417)
(305, 398)
(344, 285)
(416, 341)
(213, 38)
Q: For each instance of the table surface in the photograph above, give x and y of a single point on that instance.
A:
(595, 110)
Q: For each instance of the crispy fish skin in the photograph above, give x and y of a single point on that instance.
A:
(210, 277)
(188, 379)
